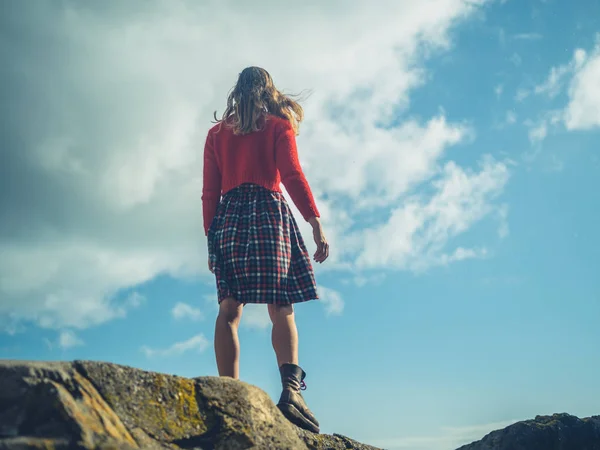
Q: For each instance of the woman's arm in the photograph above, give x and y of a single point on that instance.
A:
(211, 184)
(292, 176)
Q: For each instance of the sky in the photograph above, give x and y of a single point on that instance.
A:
(452, 147)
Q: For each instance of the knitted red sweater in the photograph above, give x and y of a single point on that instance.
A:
(267, 157)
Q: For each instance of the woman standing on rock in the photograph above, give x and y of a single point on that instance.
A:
(255, 248)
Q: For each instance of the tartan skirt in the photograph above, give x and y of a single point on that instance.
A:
(256, 249)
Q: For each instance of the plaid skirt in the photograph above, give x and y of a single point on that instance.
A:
(256, 249)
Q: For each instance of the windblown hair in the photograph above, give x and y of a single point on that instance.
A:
(254, 97)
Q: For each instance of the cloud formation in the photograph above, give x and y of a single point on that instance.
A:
(556, 78)
(66, 340)
(197, 343)
(332, 300)
(184, 311)
(256, 316)
(583, 110)
(107, 105)
(579, 78)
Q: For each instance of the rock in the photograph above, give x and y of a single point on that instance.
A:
(97, 405)
(556, 432)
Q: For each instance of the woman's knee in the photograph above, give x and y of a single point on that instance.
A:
(231, 309)
(280, 311)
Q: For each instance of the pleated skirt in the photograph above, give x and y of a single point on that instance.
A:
(257, 251)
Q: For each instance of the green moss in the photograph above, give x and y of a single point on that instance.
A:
(321, 440)
(177, 414)
(186, 408)
(165, 407)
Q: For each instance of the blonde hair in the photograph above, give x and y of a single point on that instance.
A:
(252, 98)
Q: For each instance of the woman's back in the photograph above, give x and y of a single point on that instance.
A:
(266, 157)
(249, 157)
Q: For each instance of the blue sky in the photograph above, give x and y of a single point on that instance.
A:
(453, 150)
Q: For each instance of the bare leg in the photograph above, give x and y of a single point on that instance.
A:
(227, 344)
(284, 334)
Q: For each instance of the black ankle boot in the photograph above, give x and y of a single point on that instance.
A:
(291, 403)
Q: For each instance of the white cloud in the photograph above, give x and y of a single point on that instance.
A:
(581, 76)
(449, 438)
(558, 76)
(135, 300)
(498, 90)
(61, 287)
(416, 233)
(256, 316)
(66, 339)
(553, 83)
(503, 228)
(538, 133)
(197, 343)
(583, 110)
(521, 94)
(511, 117)
(556, 79)
(184, 311)
(332, 300)
(362, 280)
(109, 161)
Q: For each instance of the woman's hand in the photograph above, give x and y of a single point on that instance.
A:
(319, 236)
(210, 266)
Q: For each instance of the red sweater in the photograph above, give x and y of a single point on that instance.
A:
(267, 157)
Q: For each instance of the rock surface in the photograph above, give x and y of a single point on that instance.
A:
(556, 432)
(96, 405)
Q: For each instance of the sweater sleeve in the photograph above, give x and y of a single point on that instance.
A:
(292, 176)
(211, 184)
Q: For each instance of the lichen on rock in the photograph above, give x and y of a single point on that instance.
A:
(97, 405)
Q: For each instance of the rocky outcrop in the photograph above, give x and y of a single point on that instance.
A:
(556, 432)
(96, 405)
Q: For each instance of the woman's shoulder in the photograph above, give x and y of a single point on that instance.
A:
(278, 122)
(215, 128)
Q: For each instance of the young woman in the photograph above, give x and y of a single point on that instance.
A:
(255, 248)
